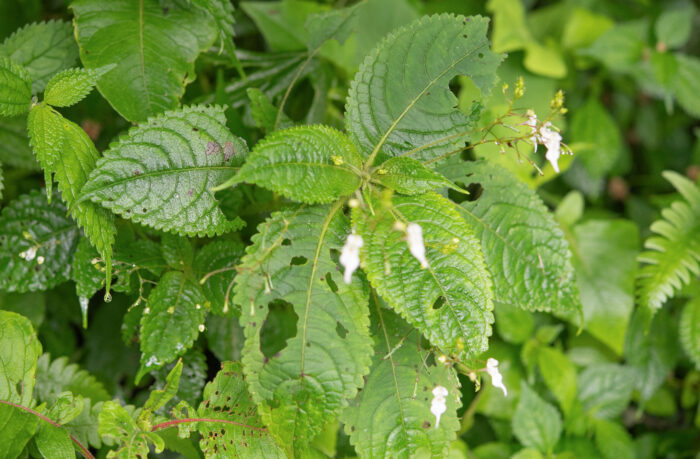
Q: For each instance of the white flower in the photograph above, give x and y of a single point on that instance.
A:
(552, 140)
(532, 122)
(30, 254)
(496, 377)
(350, 255)
(414, 237)
(438, 406)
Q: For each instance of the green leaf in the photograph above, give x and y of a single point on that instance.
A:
(264, 113)
(387, 419)
(222, 11)
(604, 257)
(410, 176)
(400, 97)
(686, 85)
(304, 386)
(673, 255)
(176, 309)
(54, 442)
(282, 23)
(177, 251)
(43, 48)
(28, 222)
(338, 24)
(158, 398)
(536, 423)
(66, 408)
(46, 137)
(16, 151)
(154, 56)
(215, 265)
(309, 164)
(192, 380)
(605, 389)
(179, 156)
(621, 47)
(523, 246)
(613, 441)
(240, 432)
(674, 25)
(87, 276)
(17, 427)
(560, 376)
(450, 301)
(19, 351)
(15, 88)
(58, 376)
(689, 330)
(118, 425)
(71, 86)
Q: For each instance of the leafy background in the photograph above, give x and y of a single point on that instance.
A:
(624, 384)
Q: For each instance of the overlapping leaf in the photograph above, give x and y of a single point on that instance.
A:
(450, 301)
(400, 97)
(161, 172)
(71, 86)
(215, 266)
(409, 176)
(15, 88)
(308, 382)
(536, 423)
(17, 427)
(19, 351)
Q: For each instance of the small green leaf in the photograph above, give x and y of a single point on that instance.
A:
(17, 427)
(71, 86)
(43, 48)
(450, 301)
(177, 251)
(58, 376)
(282, 23)
(19, 351)
(215, 265)
(689, 329)
(66, 408)
(337, 23)
(264, 113)
(409, 176)
(46, 137)
(222, 11)
(15, 88)
(182, 154)
(158, 398)
(560, 376)
(674, 25)
(116, 424)
(309, 164)
(54, 442)
(536, 423)
(605, 389)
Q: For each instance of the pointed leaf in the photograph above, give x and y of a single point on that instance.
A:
(400, 97)
(304, 386)
(160, 173)
(409, 176)
(560, 376)
(605, 389)
(43, 48)
(337, 23)
(154, 55)
(450, 301)
(19, 351)
(264, 113)
(158, 398)
(689, 330)
(536, 423)
(15, 88)
(71, 86)
(307, 164)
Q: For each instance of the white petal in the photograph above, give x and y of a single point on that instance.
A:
(350, 256)
(414, 237)
(496, 377)
(438, 405)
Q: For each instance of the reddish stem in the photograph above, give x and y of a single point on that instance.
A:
(83, 449)
(165, 425)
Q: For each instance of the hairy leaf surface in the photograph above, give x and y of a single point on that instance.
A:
(160, 173)
(15, 88)
(400, 97)
(71, 86)
(450, 301)
(410, 176)
(311, 379)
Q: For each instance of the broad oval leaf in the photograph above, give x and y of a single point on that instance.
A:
(19, 351)
(160, 173)
(410, 176)
(154, 54)
(43, 48)
(689, 330)
(15, 88)
(450, 301)
(306, 385)
(31, 222)
(387, 419)
(400, 98)
(536, 423)
(307, 164)
(524, 248)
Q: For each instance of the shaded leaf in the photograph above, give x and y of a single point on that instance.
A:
(17, 427)
(58, 376)
(15, 88)
(19, 351)
(215, 267)
(605, 389)
(117, 424)
(536, 423)
(264, 113)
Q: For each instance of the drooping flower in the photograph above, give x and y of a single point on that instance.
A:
(414, 237)
(350, 256)
(438, 406)
(552, 140)
(496, 377)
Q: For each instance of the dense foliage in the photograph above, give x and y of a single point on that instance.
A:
(376, 228)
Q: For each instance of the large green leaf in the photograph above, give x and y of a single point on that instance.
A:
(689, 330)
(15, 88)
(43, 48)
(523, 246)
(31, 222)
(400, 98)
(306, 163)
(307, 383)
(673, 257)
(387, 419)
(536, 423)
(161, 172)
(154, 49)
(17, 427)
(19, 351)
(450, 301)
(240, 432)
(605, 389)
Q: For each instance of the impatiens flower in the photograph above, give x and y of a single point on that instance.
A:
(438, 406)
(414, 237)
(350, 256)
(496, 377)
(30, 254)
(552, 140)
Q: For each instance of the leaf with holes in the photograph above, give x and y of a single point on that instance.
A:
(43, 48)
(239, 432)
(31, 231)
(160, 173)
(15, 88)
(307, 164)
(387, 419)
(154, 56)
(524, 248)
(400, 97)
(689, 330)
(71, 86)
(304, 386)
(19, 351)
(215, 265)
(450, 301)
(409, 176)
